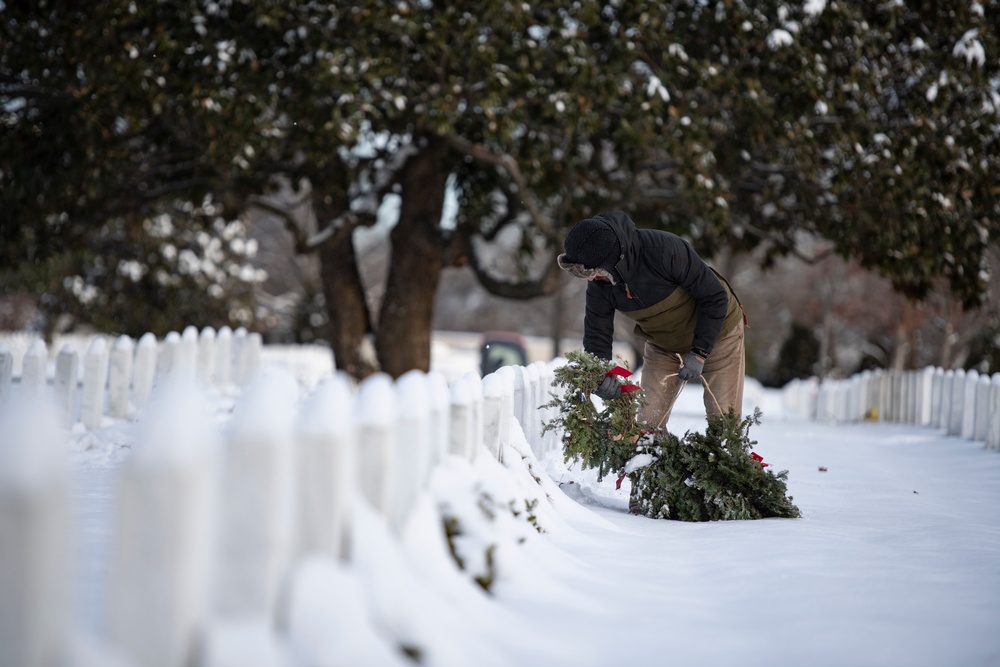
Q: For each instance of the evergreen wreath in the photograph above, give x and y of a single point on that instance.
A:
(708, 476)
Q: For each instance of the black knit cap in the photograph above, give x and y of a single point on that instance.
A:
(593, 244)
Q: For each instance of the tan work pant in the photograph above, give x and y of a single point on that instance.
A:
(723, 375)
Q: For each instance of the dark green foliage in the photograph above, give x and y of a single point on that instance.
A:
(710, 476)
(486, 579)
(706, 476)
(601, 440)
(462, 538)
(529, 510)
(872, 125)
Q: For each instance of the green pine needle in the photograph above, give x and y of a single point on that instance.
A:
(708, 476)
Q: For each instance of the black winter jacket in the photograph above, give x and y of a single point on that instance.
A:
(653, 266)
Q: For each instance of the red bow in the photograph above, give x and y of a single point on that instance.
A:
(759, 459)
(622, 372)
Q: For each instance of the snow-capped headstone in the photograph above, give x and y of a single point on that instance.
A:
(144, 370)
(493, 417)
(376, 442)
(160, 559)
(186, 361)
(505, 374)
(552, 438)
(223, 358)
(95, 379)
(915, 397)
(34, 368)
(66, 382)
(937, 385)
(924, 387)
(532, 429)
(36, 597)
(474, 386)
(120, 377)
(957, 410)
(922, 395)
(865, 395)
(439, 418)
(993, 433)
(169, 351)
(256, 528)
(206, 356)
(969, 404)
(522, 392)
(541, 398)
(6, 371)
(327, 467)
(982, 416)
(460, 429)
(947, 390)
(237, 372)
(853, 396)
(252, 354)
(411, 458)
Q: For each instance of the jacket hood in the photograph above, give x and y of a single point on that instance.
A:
(628, 237)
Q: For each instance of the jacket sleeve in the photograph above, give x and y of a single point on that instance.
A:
(698, 280)
(598, 322)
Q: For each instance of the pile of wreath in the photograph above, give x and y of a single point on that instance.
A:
(708, 476)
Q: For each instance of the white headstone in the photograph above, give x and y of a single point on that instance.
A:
(957, 402)
(67, 382)
(474, 385)
(376, 412)
(36, 598)
(460, 428)
(6, 371)
(95, 379)
(493, 416)
(206, 356)
(144, 371)
(982, 417)
(411, 458)
(969, 404)
(161, 557)
(257, 521)
(440, 417)
(120, 378)
(222, 375)
(327, 467)
(34, 368)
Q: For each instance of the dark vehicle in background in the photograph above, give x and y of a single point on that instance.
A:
(501, 348)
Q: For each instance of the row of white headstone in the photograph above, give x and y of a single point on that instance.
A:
(963, 403)
(116, 379)
(209, 522)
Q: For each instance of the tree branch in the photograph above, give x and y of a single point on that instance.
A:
(544, 285)
(790, 246)
(365, 200)
(508, 164)
(303, 243)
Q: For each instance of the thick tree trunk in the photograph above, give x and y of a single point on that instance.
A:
(403, 339)
(345, 303)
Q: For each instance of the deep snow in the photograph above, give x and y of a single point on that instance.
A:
(896, 561)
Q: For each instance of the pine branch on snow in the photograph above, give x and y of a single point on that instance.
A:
(707, 476)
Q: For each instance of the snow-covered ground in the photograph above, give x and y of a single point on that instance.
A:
(896, 561)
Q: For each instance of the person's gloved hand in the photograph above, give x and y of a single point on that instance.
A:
(609, 388)
(692, 365)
